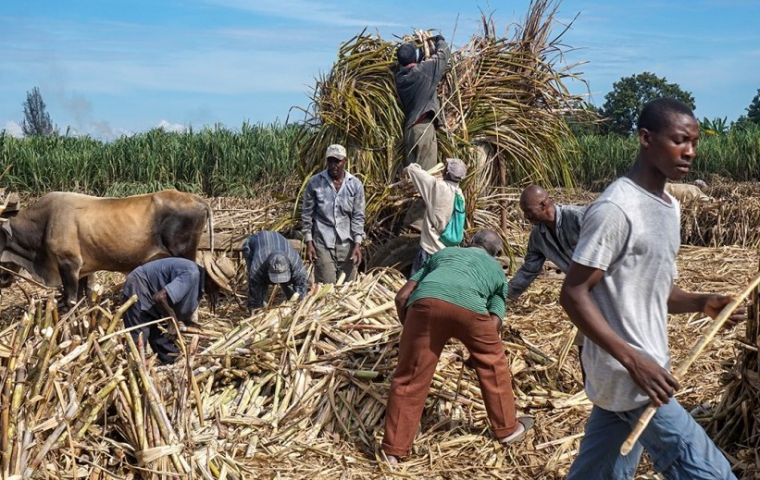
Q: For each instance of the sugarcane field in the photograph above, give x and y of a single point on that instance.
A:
(455, 266)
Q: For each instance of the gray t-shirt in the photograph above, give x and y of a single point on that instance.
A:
(181, 278)
(633, 236)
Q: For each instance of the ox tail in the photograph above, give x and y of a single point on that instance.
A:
(210, 219)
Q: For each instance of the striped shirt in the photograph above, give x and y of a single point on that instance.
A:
(331, 216)
(256, 249)
(467, 277)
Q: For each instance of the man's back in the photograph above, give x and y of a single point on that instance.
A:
(180, 277)
(468, 277)
(417, 84)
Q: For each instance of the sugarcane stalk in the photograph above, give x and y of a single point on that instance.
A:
(16, 399)
(189, 373)
(696, 350)
(156, 407)
(98, 402)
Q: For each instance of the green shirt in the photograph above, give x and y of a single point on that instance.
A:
(467, 277)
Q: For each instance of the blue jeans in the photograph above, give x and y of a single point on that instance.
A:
(679, 448)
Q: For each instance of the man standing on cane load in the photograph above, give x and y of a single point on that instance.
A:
(443, 223)
(332, 216)
(554, 235)
(417, 84)
(619, 290)
(460, 293)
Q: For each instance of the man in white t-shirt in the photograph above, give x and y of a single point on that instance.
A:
(619, 290)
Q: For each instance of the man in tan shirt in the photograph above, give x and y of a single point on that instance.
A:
(440, 197)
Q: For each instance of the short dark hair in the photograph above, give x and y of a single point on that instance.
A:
(406, 54)
(656, 114)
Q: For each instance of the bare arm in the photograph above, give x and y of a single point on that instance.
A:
(577, 301)
(710, 304)
(161, 299)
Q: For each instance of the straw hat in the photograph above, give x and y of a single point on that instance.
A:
(221, 270)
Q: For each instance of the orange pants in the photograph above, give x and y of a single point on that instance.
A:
(429, 325)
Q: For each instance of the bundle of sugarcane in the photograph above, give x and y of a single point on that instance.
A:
(732, 220)
(503, 103)
(735, 422)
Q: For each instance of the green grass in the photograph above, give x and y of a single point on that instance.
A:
(237, 163)
(211, 161)
(735, 155)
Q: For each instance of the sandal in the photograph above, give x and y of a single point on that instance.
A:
(527, 423)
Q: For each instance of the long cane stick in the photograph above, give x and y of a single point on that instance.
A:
(696, 350)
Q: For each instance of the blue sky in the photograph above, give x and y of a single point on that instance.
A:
(108, 68)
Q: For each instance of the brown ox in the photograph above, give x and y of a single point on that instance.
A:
(64, 236)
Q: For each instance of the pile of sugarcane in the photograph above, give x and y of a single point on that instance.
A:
(728, 220)
(79, 397)
(503, 106)
(735, 423)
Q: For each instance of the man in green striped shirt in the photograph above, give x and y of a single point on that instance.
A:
(460, 293)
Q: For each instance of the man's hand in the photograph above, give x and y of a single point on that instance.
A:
(356, 254)
(498, 321)
(311, 252)
(656, 382)
(714, 304)
(402, 297)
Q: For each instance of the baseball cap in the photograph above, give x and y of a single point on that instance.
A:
(336, 151)
(456, 168)
(279, 268)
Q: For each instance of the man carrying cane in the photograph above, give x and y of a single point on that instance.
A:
(417, 84)
(619, 290)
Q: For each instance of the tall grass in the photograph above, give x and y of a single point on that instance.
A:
(214, 161)
(225, 162)
(598, 159)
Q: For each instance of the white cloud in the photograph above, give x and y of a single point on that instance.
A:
(171, 127)
(13, 129)
(304, 10)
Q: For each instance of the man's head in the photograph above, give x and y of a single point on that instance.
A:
(278, 268)
(537, 205)
(456, 170)
(336, 161)
(668, 137)
(489, 241)
(406, 54)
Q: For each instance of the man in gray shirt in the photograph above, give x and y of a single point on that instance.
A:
(619, 290)
(417, 84)
(332, 217)
(553, 237)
